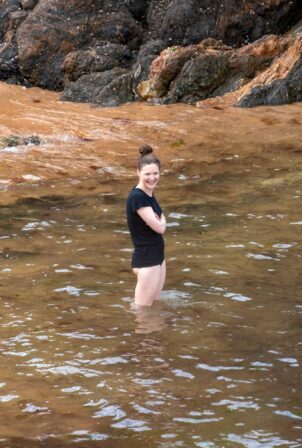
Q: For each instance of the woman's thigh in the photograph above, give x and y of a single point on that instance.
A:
(161, 280)
(148, 281)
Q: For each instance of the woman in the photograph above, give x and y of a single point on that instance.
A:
(147, 224)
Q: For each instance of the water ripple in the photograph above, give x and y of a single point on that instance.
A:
(289, 414)
(217, 368)
(134, 425)
(110, 411)
(234, 405)
(260, 439)
(83, 435)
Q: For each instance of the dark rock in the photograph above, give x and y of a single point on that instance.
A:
(279, 91)
(138, 9)
(98, 58)
(49, 43)
(199, 78)
(249, 22)
(9, 21)
(28, 4)
(119, 91)
(109, 88)
(146, 55)
(32, 140)
(55, 29)
(14, 140)
(117, 27)
(8, 58)
(187, 74)
(7, 7)
(231, 84)
(168, 66)
(210, 69)
(182, 22)
(278, 82)
(11, 18)
(15, 19)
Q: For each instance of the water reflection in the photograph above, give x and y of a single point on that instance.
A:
(215, 363)
(149, 320)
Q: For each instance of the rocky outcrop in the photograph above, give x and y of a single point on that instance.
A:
(280, 84)
(186, 73)
(265, 72)
(108, 89)
(181, 22)
(77, 46)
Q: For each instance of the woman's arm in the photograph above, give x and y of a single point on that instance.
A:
(158, 224)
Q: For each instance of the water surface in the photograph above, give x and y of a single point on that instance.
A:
(215, 364)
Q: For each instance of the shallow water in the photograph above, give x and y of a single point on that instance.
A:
(215, 364)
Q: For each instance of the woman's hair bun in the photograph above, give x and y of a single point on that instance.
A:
(145, 149)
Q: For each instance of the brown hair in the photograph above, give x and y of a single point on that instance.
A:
(146, 157)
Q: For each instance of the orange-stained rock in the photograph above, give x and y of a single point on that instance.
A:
(211, 73)
(280, 83)
(51, 43)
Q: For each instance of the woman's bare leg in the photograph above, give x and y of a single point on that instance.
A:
(161, 281)
(148, 281)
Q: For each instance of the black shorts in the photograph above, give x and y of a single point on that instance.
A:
(147, 256)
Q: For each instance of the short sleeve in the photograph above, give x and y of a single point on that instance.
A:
(138, 201)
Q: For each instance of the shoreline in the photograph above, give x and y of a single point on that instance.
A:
(79, 140)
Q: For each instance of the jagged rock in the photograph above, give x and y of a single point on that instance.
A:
(28, 4)
(108, 89)
(49, 43)
(138, 9)
(7, 7)
(104, 58)
(280, 84)
(119, 91)
(247, 62)
(55, 29)
(186, 73)
(15, 19)
(10, 19)
(181, 22)
(199, 78)
(8, 55)
(98, 58)
(164, 70)
(146, 55)
(210, 69)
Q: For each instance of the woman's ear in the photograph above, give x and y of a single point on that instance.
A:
(138, 172)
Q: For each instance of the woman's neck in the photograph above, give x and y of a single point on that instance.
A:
(148, 191)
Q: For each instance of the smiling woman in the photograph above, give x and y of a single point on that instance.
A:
(147, 224)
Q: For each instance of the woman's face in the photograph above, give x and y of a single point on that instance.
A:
(149, 176)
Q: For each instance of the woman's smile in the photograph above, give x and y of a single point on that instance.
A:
(148, 177)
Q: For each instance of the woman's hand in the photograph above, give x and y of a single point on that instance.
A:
(153, 220)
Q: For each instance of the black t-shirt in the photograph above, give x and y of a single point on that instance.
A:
(141, 233)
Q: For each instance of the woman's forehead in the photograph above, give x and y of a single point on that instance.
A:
(150, 167)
